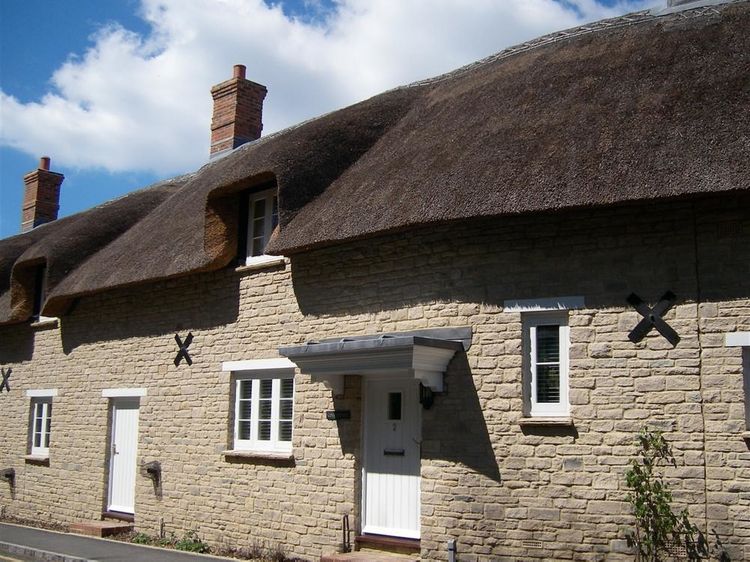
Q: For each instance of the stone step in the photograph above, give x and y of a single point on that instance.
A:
(100, 528)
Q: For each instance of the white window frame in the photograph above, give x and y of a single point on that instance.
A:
(274, 444)
(742, 339)
(41, 399)
(256, 370)
(269, 196)
(530, 322)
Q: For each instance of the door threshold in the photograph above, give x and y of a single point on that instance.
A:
(387, 543)
(130, 517)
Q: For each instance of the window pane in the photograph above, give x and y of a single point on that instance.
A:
(38, 425)
(548, 344)
(259, 209)
(266, 387)
(548, 383)
(264, 431)
(246, 390)
(245, 409)
(285, 431)
(258, 227)
(265, 409)
(285, 410)
(287, 388)
(394, 405)
(46, 438)
(244, 430)
(258, 246)
(37, 439)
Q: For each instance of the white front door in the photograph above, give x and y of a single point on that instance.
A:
(392, 435)
(122, 463)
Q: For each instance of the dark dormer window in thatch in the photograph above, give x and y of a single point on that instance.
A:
(39, 291)
(40, 294)
(259, 216)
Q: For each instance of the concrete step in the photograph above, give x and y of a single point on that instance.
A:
(100, 528)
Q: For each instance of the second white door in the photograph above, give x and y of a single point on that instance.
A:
(123, 452)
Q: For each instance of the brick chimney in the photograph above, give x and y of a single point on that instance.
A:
(41, 197)
(238, 112)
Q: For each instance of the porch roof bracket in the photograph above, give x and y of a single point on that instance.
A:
(423, 358)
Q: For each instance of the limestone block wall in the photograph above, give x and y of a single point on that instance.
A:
(502, 489)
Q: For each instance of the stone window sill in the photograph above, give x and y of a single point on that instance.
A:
(37, 459)
(746, 435)
(546, 422)
(258, 455)
(45, 323)
(261, 262)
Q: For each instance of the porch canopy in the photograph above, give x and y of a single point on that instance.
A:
(423, 355)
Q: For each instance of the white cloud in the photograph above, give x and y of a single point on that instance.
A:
(143, 103)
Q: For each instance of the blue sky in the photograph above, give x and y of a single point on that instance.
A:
(116, 92)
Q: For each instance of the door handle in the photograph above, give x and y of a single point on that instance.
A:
(393, 452)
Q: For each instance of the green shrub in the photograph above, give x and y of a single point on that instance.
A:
(658, 530)
(191, 543)
(141, 538)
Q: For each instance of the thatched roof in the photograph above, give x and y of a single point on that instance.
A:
(63, 245)
(632, 109)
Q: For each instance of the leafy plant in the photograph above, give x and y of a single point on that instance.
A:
(658, 530)
(191, 543)
(141, 538)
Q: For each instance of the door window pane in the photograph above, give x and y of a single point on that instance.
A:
(394, 405)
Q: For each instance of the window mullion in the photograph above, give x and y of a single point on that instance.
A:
(45, 418)
(532, 335)
(254, 411)
(275, 396)
(269, 220)
(237, 410)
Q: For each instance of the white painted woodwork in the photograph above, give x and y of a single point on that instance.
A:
(42, 393)
(334, 383)
(274, 364)
(425, 363)
(390, 487)
(123, 452)
(124, 392)
(541, 305)
(738, 339)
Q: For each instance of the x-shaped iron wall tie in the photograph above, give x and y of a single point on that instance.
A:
(183, 352)
(652, 318)
(6, 375)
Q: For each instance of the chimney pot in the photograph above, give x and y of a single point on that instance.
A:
(239, 71)
(44, 163)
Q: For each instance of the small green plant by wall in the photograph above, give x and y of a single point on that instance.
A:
(659, 532)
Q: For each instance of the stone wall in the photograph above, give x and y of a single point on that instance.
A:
(503, 490)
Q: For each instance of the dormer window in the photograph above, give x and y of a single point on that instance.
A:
(263, 216)
(259, 217)
(40, 288)
(40, 294)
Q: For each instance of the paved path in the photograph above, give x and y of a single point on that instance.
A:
(26, 543)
